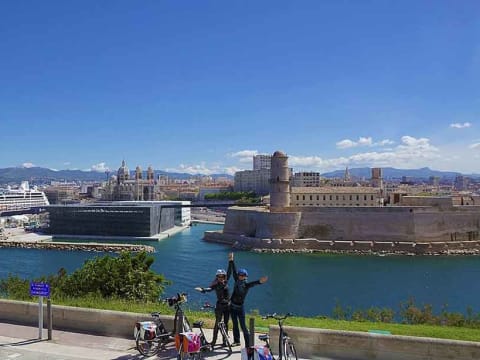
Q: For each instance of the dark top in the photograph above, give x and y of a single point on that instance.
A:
(221, 289)
(241, 287)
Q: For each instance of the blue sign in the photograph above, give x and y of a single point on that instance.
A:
(39, 289)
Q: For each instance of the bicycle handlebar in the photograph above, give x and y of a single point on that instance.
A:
(178, 299)
(277, 317)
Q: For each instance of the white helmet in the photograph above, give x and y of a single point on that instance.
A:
(221, 272)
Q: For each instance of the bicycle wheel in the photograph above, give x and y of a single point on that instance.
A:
(289, 351)
(226, 339)
(147, 347)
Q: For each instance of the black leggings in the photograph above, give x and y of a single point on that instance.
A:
(221, 311)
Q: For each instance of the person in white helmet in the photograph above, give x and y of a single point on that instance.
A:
(222, 307)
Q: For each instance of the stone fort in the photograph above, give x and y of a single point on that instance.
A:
(432, 225)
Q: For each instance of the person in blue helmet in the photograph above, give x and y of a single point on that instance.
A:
(240, 290)
(222, 308)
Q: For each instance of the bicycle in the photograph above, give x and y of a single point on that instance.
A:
(222, 328)
(181, 323)
(152, 336)
(286, 347)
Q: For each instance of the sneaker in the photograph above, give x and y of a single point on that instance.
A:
(236, 343)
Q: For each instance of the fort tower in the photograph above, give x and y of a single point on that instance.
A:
(279, 182)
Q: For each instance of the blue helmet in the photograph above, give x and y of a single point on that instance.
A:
(242, 272)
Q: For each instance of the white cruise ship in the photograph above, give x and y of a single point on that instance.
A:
(21, 198)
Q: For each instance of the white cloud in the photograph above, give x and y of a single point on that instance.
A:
(460, 126)
(230, 170)
(28, 165)
(362, 141)
(203, 169)
(412, 152)
(345, 144)
(365, 141)
(244, 153)
(100, 167)
(244, 156)
(385, 142)
(475, 146)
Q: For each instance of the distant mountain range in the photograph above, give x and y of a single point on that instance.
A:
(43, 175)
(390, 173)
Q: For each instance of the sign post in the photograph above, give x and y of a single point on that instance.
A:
(40, 289)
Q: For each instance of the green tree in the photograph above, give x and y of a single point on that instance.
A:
(127, 277)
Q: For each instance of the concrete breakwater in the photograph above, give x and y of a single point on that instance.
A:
(76, 246)
(241, 242)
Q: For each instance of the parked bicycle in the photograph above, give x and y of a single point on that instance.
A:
(151, 336)
(189, 344)
(286, 348)
(222, 328)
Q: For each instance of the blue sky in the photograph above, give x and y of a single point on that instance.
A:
(201, 86)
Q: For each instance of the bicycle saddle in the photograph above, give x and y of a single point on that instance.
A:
(198, 324)
(263, 337)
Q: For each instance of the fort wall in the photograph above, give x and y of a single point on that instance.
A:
(406, 230)
(260, 223)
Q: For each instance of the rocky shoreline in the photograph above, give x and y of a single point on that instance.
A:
(377, 248)
(96, 247)
(465, 252)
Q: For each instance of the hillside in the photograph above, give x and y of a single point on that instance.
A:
(392, 173)
(43, 175)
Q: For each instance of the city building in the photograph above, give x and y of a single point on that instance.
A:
(461, 183)
(336, 196)
(262, 162)
(306, 179)
(139, 188)
(138, 219)
(253, 180)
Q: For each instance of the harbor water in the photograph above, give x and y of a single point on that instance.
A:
(304, 284)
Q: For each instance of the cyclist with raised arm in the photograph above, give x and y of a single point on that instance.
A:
(237, 300)
(222, 308)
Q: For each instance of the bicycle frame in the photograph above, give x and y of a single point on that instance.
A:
(282, 336)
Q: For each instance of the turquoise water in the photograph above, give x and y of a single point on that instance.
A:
(305, 284)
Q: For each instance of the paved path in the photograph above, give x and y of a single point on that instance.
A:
(21, 343)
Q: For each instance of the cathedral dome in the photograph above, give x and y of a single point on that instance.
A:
(123, 170)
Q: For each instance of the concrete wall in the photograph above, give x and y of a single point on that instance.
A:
(351, 345)
(92, 321)
(310, 343)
